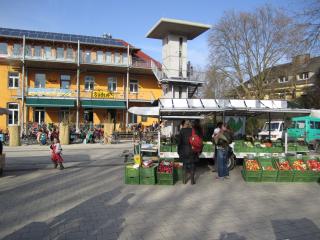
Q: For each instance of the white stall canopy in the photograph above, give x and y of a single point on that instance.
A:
(145, 111)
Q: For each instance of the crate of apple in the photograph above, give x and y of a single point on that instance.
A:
(252, 165)
(284, 166)
(299, 165)
(165, 167)
(313, 165)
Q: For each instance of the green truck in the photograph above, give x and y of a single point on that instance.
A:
(305, 129)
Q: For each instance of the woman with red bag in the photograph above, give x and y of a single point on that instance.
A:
(56, 150)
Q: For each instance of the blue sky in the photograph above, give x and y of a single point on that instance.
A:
(126, 19)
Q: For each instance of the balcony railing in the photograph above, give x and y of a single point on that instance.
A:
(94, 94)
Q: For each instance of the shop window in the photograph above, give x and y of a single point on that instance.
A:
(13, 117)
(60, 53)
(39, 115)
(40, 80)
(69, 53)
(64, 115)
(99, 57)
(4, 48)
(112, 84)
(88, 115)
(108, 57)
(37, 51)
(47, 53)
(144, 119)
(65, 81)
(133, 118)
(133, 86)
(13, 80)
(89, 83)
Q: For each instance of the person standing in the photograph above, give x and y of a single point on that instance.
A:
(222, 146)
(212, 162)
(56, 151)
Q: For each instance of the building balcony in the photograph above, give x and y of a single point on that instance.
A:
(141, 96)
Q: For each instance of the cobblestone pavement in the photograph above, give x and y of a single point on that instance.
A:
(88, 200)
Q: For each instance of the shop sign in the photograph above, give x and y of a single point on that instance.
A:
(102, 94)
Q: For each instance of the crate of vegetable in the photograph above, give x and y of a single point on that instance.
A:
(285, 173)
(251, 170)
(177, 171)
(132, 174)
(148, 174)
(313, 165)
(301, 171)
(165, 173)
(269, 169)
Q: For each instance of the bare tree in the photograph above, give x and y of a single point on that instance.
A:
(246, 45)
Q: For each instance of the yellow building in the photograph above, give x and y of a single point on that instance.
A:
(53, 77)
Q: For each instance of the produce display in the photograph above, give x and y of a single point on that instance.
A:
(147, 164)
(268, 168)
(165, 167)
(313, 165)
(252, 165)
(284, 165)
(299, 165)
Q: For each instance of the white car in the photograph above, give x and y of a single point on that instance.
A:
(276, 130)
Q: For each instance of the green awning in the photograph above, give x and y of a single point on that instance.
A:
(109, 104)
(48, 102)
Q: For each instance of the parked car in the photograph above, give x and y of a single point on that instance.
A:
(276, 131)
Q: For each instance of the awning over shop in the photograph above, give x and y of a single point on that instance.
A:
(109, 104)
(145, 111)
(49, 102)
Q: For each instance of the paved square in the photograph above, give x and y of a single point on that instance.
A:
(88, 200)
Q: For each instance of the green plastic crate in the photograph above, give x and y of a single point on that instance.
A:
(251, 176)
(147, 180)
(314, 175)
(178, 173)
(132, 175)
(165, 178)
(148, 175)
(284, 175)
(301, 176)
(268, 176)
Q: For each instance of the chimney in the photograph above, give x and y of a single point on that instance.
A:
(301, 59)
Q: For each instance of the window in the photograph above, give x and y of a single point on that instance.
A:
(303, 76)
(69, 53)
(17, 49)
(47, 52)
(108, 57)
(28, 51)
(13, 80)
(39, 115)
(117, 59)
(64, 115)
(13, 113)
(87, 56)
(124, 58)
(112, 84)
(133, 86)
(301, 124)
(40, 80)
(282, 79)
(65, 81)
(133, 118)
(60, 53)
(88, 115)
(144, 119)
(99, 56)
(314, 125)
(89, 83)
(37, 51)
(3, 48)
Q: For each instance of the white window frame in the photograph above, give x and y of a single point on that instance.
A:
(87, 54)
(39, 112)
(124, 58)
(113, 81)
(57, 50)
(90, 80)
(117, 58)
(5, 46)
(28, 51)
(14, 79)
(303, 76)
(68, 52)
(64, 115)
(283, 79)
(34, 53)
(108, 57)
(17, 50)
(47, 54)
(99, 57)
(134, 82)
(15, 113)
(35, 80)
(63, 78)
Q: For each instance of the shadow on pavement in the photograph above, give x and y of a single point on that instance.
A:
(230, 236)
(90, 219)
(296, 229)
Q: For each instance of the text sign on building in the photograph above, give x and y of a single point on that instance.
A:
(102, 94)
(49, 92)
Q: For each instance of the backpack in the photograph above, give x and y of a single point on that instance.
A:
(195, 142)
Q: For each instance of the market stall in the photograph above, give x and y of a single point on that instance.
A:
(2, 155)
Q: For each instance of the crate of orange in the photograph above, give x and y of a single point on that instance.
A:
(313, 165)
(269, 169)
(285, 173)
(301, 172)
(251, 170)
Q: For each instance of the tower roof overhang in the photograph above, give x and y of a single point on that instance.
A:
(167, 26)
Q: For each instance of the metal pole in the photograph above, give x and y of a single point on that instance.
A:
(22, 86)
(286, 142)
(269, 116)
(78, 88)
(127, 87)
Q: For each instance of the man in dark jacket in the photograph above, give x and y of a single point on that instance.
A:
(185, 152)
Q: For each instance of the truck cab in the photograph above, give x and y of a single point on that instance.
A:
(276, 130)
(306, 129)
